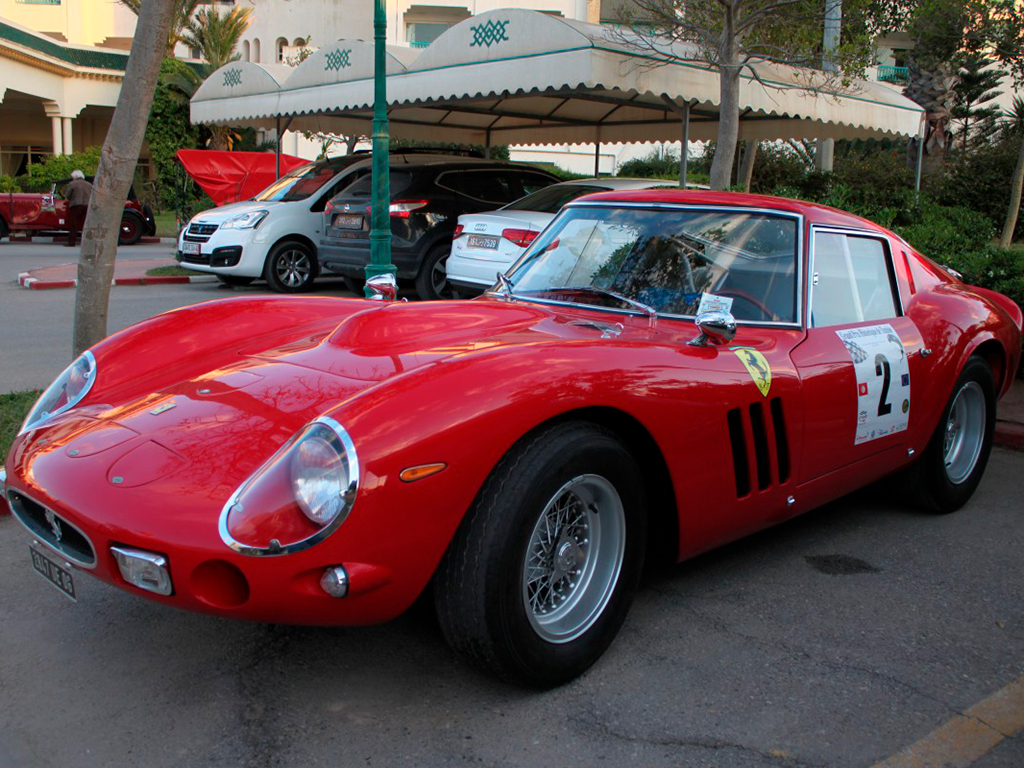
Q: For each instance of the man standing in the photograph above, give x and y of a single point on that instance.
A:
(78, 193)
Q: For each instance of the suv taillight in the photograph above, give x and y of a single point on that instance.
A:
(521, 237)
(402, 208)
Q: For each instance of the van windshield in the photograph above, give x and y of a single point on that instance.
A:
(299, 183)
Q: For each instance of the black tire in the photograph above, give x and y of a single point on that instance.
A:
(235, 280)
(432, 280)
(291, 267)
(495, 612)
(963, 438)
(131, 229)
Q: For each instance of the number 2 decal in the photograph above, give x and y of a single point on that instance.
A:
(882, 378)
(882, 369)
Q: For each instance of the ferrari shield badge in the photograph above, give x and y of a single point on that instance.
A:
(757, 366)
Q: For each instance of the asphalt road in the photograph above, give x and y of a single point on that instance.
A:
(837, 639)
(35, 326)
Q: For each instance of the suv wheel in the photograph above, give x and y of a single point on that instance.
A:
(432, 281)
(291, 268)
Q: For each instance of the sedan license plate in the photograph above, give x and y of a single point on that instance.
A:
(344, 221)
(482, 241)
(57, 575)
(191, 248)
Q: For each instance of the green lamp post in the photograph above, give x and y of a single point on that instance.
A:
(380, 220)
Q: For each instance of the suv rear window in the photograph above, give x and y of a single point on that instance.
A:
(398, 182)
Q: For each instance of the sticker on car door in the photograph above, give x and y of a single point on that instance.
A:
(883, 381)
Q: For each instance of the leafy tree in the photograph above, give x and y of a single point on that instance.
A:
(215, 36)
(730, 36)
(977, 86)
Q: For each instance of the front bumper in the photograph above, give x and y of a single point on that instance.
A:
(225, 252)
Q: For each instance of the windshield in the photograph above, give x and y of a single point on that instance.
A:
(551, 199)
(299, 183)
(667, 259)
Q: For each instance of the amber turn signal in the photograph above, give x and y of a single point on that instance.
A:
(412, 474)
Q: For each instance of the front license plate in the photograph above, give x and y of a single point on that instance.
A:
(191, 248)
(481, 241)
(344, 221)
(57, 575)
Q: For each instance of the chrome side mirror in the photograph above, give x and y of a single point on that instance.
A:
(715, 326)
(384, 287)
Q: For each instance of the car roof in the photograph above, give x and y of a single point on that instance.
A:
(813, 212)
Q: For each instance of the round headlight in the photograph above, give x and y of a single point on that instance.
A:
(320, 478)
(65, 392)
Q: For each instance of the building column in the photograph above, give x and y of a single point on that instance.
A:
(67, 144)
(55, 129)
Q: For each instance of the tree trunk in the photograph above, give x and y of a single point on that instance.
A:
(747, 165)
(1015, 193)
(931, 86)
(118, 159)
(728, 127)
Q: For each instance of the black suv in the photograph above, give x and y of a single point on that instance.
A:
(428, 194)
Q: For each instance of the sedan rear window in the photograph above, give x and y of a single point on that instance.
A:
(551, 199)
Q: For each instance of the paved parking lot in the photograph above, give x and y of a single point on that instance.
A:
(838, 639)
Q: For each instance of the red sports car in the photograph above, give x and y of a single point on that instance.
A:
(40, 212)
(660, 373)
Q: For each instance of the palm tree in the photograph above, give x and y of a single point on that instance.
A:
(215, 36)
(184, 10)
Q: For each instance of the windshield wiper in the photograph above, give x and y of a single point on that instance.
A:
(645, 308)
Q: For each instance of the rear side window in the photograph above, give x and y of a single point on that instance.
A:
(852, 280)
(489, 186)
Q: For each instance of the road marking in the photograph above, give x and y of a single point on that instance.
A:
(969, 736)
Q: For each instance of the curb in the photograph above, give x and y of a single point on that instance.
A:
(25, 280)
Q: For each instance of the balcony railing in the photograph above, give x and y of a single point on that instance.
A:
(889, 74)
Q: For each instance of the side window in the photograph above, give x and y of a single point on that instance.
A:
(486, 186)
(852, 280)
(533, 181)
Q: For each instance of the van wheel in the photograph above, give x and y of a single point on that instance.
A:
(291, 267)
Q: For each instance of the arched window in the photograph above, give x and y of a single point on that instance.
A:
(279, 49)
(300, 42)
(256, 50)
(245, 50)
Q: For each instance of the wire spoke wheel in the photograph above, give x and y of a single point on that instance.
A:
(573, 558)
(964, 432)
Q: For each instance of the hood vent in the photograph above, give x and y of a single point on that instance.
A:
(760, 449)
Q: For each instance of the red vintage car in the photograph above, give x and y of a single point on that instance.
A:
(660, 373)
(47, 213)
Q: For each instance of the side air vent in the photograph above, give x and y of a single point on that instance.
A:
(760, 448)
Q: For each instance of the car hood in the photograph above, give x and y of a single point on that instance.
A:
(225, 212)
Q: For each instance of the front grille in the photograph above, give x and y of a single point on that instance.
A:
(46, 525)
(195, 258)
(199, 233)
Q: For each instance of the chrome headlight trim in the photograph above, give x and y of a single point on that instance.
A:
(33, 420)
(349, 494)
(248, 220)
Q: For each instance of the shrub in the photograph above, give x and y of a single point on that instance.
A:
(658, 164)
(8, 184)
(998, 269)
(944, 233)
(53, 168)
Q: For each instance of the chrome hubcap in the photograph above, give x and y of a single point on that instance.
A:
(573, 558)
(964, 433)
(292, 268)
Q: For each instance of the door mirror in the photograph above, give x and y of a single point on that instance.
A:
(715, 326)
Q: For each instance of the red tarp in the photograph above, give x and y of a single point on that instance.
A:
(228, 177)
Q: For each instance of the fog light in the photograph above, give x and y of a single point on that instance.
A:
(145, 570)
(335, 581)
